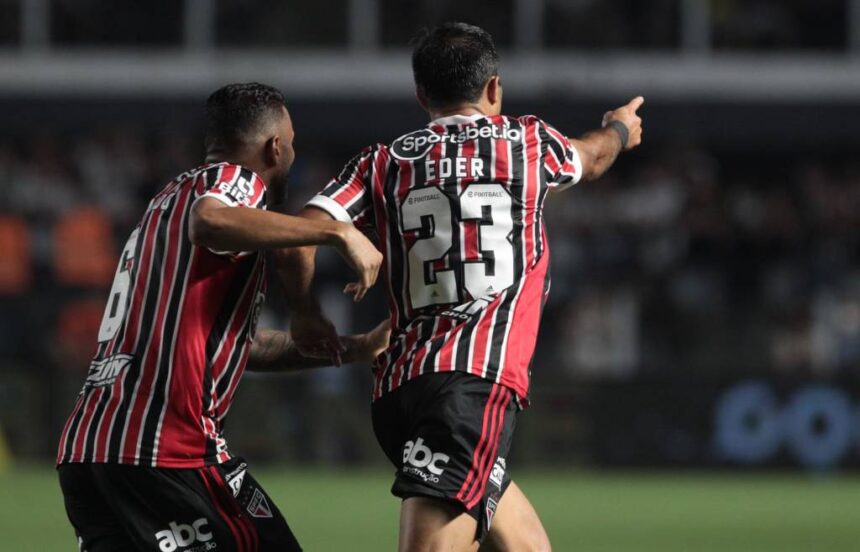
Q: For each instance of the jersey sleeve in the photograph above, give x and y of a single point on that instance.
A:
(235, 186)
(348, 196)
(561, 161)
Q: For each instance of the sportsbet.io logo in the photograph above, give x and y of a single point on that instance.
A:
(417, 457)
(181, 537)
(415, 145)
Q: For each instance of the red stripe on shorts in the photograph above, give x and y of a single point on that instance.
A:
(477, 457)
(481, 485)
(243, 517)
(241, 544)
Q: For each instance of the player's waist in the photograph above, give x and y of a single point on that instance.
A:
(515, 378)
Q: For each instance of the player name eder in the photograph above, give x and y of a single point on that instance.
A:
(460, 167)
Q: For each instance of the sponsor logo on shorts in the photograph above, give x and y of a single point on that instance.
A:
(104, 372)
(236, 477)
(498, 473)
(418, 457)
(183, 537)
(259, 506)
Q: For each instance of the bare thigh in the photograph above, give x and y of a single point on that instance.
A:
(516, 526)
(434, 525)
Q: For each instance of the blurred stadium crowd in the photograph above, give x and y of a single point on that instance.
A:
(674, 264)
(671, 262)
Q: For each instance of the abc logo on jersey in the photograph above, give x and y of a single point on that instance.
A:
(417, 457)
(241, 191)
(179, 537)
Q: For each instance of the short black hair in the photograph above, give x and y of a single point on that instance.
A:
(452, 63)
(236, 110)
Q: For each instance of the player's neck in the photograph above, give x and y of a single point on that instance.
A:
(224, 157)
(466, 109)
(236, 159)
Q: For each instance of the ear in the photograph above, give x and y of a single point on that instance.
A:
(421, 96)
(273, 150)
(494, 90)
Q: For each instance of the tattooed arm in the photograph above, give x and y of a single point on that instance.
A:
(275, 351)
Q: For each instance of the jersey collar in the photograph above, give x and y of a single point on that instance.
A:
(456, 119)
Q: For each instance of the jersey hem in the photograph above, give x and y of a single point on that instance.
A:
(521, 393)
(169, 464)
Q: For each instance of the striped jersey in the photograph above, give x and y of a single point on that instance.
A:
(458, 210)
(174, 338)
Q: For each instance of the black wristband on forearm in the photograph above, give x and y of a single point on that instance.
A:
(622, 131)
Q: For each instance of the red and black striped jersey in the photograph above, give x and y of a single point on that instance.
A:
(175, 335)
(458, 210)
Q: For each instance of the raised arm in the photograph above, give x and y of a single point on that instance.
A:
(621, 131)
(275, 351)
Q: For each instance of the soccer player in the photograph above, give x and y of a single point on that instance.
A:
(458, 209)
(143, 464)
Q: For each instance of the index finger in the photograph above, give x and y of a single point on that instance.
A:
(636, 103)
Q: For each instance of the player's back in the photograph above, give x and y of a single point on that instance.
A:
(457, 207)
(174, 335)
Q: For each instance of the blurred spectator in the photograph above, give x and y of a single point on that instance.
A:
(15, 262)
(77, 327)
(84, 248)
(602, 334)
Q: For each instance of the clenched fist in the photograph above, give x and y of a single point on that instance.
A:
(363, 257)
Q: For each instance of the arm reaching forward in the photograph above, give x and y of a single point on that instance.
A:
(621, 131)
(220, 227)
(275, 351)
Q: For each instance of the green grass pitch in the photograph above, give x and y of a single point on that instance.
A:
(583, 511)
